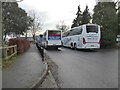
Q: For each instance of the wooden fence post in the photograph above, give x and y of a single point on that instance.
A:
(9, 52)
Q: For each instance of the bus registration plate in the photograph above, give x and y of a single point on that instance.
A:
(91, 45)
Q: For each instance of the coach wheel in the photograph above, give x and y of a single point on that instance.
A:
(71, 45)
(75, 46)
(62, 43)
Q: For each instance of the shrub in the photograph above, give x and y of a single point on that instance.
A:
(22, 45)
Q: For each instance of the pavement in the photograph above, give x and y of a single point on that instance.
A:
(26, 71)
(49, 81)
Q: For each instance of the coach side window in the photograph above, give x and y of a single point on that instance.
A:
(68, 34)
(81, 30)
(78, 31)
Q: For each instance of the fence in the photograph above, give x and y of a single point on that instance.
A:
(8, 52)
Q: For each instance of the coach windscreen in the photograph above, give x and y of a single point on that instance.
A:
(91, 29)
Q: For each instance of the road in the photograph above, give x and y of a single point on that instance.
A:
(86, 69)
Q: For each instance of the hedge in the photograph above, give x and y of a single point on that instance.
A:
(22, 45)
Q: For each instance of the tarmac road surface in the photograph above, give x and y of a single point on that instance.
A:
(86, 69)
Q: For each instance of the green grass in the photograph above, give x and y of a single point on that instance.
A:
(7, 63)
(118, 44)
(0, 64)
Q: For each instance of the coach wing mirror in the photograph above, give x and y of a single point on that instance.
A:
(41, 36)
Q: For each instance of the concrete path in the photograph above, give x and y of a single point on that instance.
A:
(49, 82)
(25, 71)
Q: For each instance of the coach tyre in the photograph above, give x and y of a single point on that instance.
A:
(75, 46)
(71, 45)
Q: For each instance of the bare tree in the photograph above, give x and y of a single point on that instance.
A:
(37, 23)
(62, 26)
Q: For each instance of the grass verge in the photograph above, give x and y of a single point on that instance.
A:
(7, 63)
(118, 44)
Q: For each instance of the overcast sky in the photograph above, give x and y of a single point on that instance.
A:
(52, 11)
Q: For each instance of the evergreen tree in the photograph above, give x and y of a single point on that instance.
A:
(86, 16)
(105, 16)
(74, 23)
(15, 19)
(78, 20)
